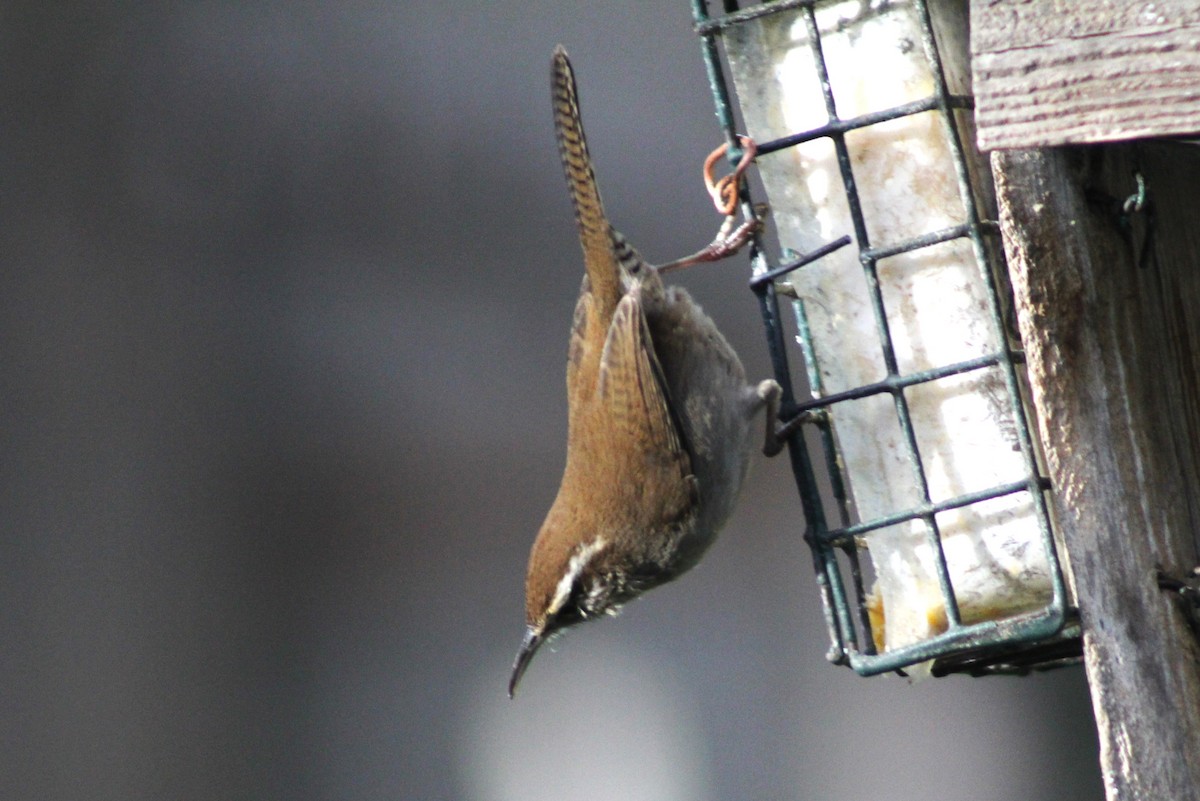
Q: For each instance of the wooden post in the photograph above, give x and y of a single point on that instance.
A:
(1113, 350)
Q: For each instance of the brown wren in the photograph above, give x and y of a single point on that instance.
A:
(659, 423)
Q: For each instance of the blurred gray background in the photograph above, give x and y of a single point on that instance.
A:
(285, 294)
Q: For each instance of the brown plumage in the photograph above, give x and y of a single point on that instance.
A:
(659, 415)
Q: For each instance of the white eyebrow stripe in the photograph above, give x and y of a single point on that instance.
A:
(578, 562)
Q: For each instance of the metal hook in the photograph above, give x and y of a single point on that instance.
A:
(1139, 203)
(1187, 592)
(724, 192)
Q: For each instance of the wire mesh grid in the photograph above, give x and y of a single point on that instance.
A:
(1037, 639)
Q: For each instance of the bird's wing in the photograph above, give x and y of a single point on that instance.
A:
(579, 344)
(634, 396)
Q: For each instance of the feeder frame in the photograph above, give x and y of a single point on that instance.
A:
(1043, 638)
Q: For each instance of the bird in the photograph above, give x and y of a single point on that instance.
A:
(659, 423)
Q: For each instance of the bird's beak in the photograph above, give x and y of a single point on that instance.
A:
(533, 639)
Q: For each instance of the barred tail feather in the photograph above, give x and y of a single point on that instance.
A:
(595, 232)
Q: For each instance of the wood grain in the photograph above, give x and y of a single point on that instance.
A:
(1113, 352)
(1052, 73)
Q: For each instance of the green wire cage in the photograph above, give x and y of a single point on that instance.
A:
(827, 152)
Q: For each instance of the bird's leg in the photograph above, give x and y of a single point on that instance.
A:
(777, 434)
(724, 245)
(770, 391)
(724, 192)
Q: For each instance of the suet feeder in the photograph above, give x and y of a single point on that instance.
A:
(937, 553)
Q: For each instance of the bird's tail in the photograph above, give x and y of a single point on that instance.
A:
(595, 232)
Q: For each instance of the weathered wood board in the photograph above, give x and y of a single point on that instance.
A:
(1052, 72)
(1113, 349)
